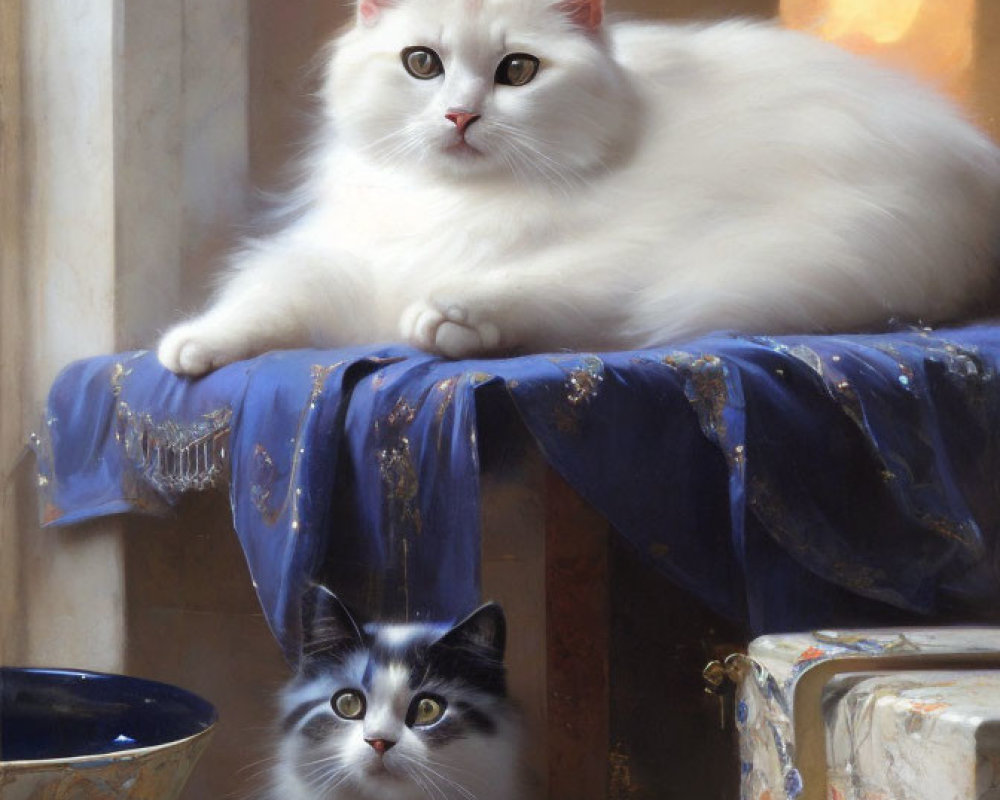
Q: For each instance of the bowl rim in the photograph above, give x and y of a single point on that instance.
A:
(114, 755)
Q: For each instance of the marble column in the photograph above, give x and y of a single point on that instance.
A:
(129, 154)
(12, 298)
(70, 582)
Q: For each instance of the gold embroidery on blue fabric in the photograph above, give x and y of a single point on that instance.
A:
(320, 375)
(706, 388)
(174, 456)
(398, 473)
(402, 413)
(445, 390)
(584, 383)
(584, 376)
(41, 444)
(118, 375)
(400, 482)
(262, 485)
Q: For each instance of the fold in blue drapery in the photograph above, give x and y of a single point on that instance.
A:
(791, 482)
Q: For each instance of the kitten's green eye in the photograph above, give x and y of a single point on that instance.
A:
(428, 711)
(517, 69)
(422, 63)
(349, 704)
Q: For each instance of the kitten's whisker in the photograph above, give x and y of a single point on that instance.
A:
(323, 765)
(343, 779)
(418, 781)
(324, 760)
(431, 783)
(463, 790)
(449, 767)
(329, 781)
(323, 769)
(423, 764)
(258, 763)
(419, 776)
(429, 775)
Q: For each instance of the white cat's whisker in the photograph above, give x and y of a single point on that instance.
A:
(516, 155)
(530, 149)
(405, 145)
(404, 139)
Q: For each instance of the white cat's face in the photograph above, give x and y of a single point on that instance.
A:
(511, 88)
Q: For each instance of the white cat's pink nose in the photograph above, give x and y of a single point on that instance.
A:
(462, 119)
(380, 746)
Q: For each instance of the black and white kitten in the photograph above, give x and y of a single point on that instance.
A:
(398, 711)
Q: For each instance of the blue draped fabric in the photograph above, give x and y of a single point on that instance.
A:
(790, 482)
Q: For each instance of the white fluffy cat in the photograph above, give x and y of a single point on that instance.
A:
(516, 175)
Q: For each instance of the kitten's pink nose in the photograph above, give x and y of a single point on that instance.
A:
(462, 119)
(380, 746)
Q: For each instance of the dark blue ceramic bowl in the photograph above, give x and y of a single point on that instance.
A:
(101, 735)
(49, 713)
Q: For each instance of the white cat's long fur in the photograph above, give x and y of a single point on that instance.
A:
(652, 183)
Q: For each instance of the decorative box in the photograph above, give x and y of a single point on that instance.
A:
(870, 715)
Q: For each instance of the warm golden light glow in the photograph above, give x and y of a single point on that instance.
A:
(933, 38)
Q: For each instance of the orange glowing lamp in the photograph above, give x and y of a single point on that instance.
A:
(933, 38)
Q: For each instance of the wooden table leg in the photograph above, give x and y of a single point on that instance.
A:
(577, 625)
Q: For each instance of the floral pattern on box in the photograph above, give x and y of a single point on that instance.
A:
(915, 735)
(764, 715)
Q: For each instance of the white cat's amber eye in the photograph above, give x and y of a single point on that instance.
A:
(422, 63)
(517, 69)
(427, 711)
(349, 704)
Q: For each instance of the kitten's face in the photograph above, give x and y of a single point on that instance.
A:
(511, 88)
(398, 712)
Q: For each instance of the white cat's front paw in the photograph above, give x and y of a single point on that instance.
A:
(194, 348)
(449, 329)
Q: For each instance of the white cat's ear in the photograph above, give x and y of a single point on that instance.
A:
(328, 627)
(588, 14)
(369, 10)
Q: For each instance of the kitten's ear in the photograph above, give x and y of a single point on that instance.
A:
(484, 629)
(369, 10)
(588, 14)
(328, 628)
